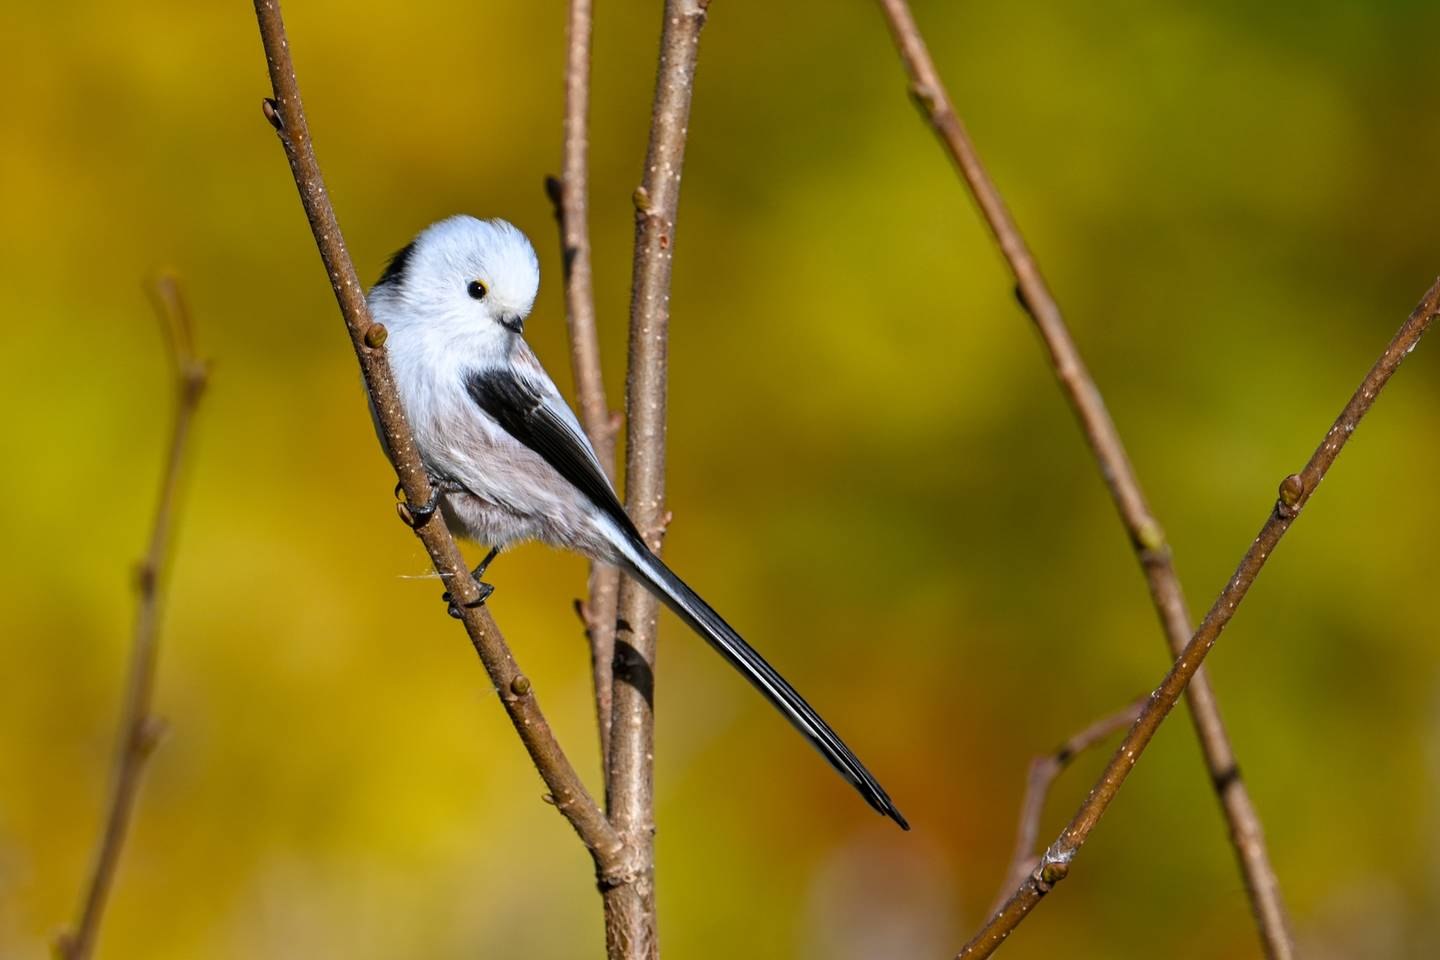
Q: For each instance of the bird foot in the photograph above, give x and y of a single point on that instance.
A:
(417, 515)
(454, 608)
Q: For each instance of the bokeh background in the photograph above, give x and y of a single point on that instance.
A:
(871, 469)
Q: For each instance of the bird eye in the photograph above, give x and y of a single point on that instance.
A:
(477, 290)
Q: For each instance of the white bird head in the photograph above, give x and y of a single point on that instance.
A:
(476, 277)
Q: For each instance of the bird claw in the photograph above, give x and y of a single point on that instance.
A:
(485, 588)
(416, 516)
(454, 608)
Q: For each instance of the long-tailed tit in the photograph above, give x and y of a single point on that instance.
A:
(508, 458)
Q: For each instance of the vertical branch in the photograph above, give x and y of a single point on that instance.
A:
(630, 906)
(139, 728)
(1295, 492)
(286, 114)
(570, 195)
(1146, 535)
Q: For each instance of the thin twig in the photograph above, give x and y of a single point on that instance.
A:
(567, 792)
(1146, 535)
(630, 907)
(1044, 770)
(140, 730)
(1295, 492)
(570, 195)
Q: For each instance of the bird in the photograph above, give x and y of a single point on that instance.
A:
(509, 461)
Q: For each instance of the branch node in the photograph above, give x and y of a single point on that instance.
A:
(624, 867)
(1227, 778)
(1054, 867)
(150, 733)
(655, 533)
(555, 190)
(375, 336)
(1292, 491)
(520, 686)
(194, 377)
(1021, 299)
(641, 197)
(1150, 535)
(146, 576)
(927, 100)
(271, 108)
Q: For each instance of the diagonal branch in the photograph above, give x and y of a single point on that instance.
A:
(570, 195)
(1044, 771)
(630, 906)
(1146, 535)
(287, 116)
(140, 730)
(1295, 492)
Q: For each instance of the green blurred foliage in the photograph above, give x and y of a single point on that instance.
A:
(871, 470)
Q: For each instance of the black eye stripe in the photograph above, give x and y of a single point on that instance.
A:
(476, 290)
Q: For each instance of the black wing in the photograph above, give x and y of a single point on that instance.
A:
(395, 270)
(519, 407)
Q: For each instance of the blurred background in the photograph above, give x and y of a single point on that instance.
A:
(872, 473)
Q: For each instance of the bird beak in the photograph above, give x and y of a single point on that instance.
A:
(513, 322)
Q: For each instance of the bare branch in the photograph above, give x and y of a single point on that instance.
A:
(140, 730)
(1146, 535)
(1295, 492)
(1044, 771)
(570, 195)
(567, 792)
(630, 907)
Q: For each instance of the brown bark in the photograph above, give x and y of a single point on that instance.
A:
(630, 904)
(568, 794)
(1146, 535)
(570, 195)
(140, 730)
(1295, 492)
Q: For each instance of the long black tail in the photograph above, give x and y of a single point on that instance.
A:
(705, 621)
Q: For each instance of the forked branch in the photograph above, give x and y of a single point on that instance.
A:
(1044, 771)
(1146, 535)
(1295, 492)
(140, 730)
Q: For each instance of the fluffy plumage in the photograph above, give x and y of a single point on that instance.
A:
(489, 423)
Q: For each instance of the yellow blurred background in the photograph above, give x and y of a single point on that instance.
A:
(872, 473)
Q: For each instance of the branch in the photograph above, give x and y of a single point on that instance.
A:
(630, 907)
(1044, 770)
(1146, 535)
(286, 114)
(570, 195)
(1295, 492)
(140, 730)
